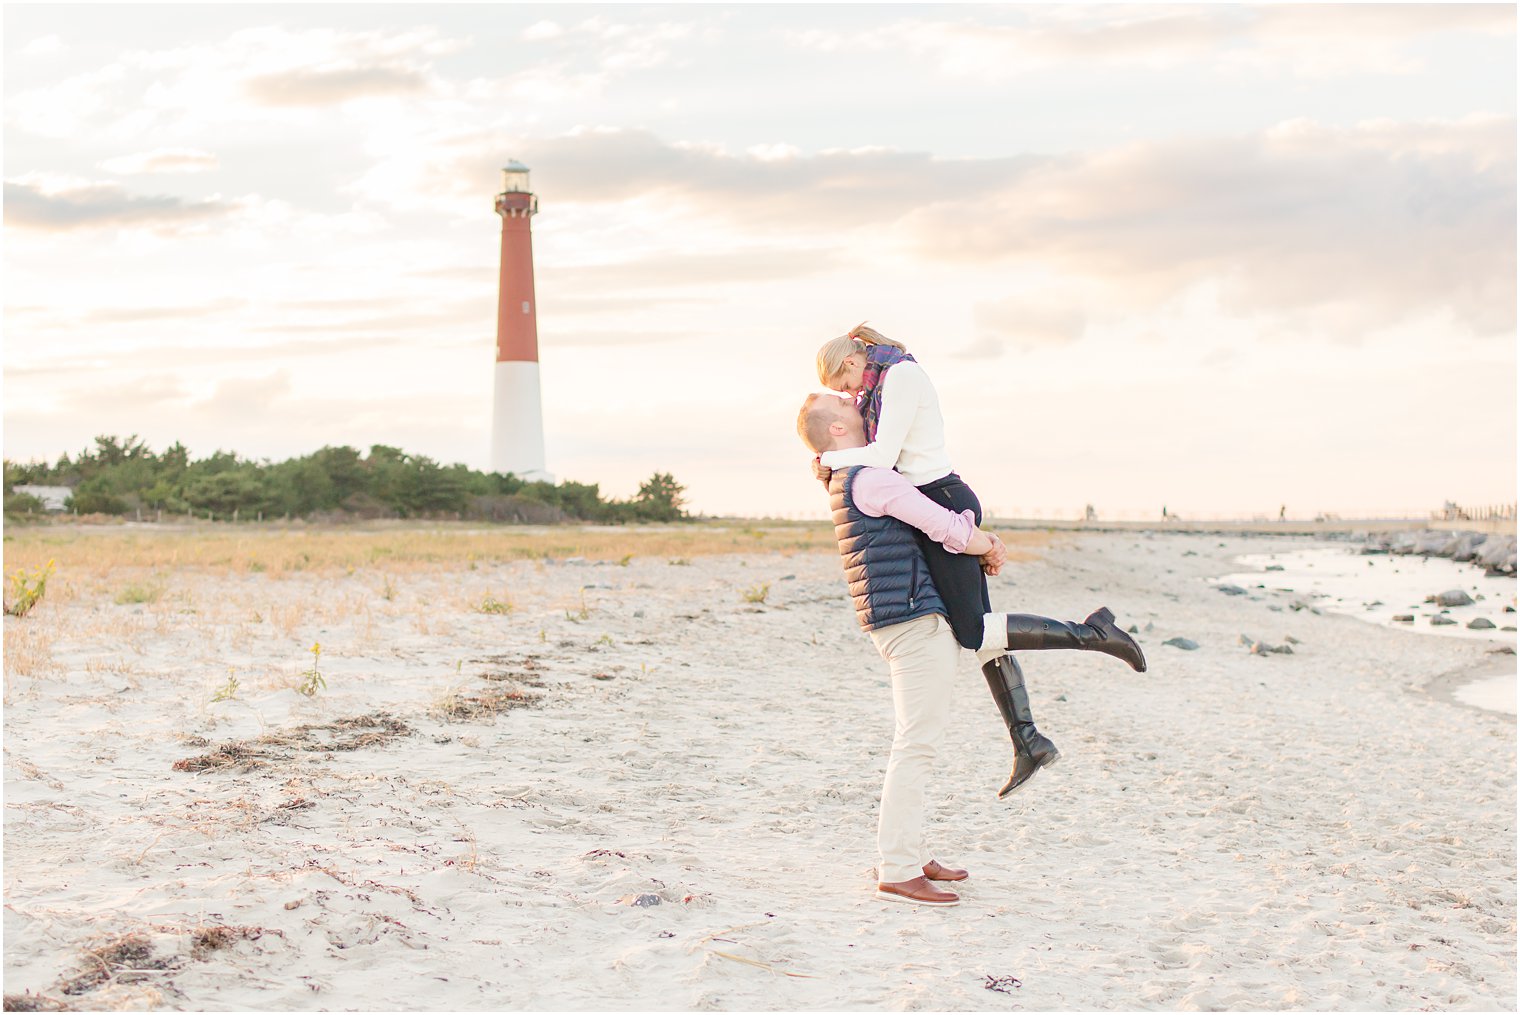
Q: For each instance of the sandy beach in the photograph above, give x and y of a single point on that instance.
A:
(652, 784)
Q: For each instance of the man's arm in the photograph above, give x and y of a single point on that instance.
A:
(879, 492)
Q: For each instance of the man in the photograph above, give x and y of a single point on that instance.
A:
(897, 604)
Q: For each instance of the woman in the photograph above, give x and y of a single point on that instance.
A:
(907, 432)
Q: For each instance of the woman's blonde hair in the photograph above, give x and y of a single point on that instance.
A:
(834, 352)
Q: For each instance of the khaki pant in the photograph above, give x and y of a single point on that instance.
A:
(921, 655)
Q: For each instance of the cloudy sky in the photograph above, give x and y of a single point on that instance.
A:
(1217, 258)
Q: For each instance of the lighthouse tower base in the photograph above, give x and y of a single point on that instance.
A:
(517, 423)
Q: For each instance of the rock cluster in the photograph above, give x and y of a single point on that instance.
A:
(1492, 551)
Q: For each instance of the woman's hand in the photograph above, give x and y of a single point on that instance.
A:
(994, 559)
(821, 472)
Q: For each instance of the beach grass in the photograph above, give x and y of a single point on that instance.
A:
(400, 547)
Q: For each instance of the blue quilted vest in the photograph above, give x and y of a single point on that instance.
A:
(888, 577)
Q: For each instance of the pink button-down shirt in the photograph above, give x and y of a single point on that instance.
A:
(879, 492)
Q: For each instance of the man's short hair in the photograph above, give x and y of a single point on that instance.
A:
(818, 411)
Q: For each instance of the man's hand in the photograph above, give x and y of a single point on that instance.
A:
(994, 559)
(821, 472)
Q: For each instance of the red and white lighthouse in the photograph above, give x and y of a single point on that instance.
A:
(517, 424)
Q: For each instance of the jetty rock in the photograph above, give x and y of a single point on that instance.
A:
(1451, 597)
(1481, 624)
(1434, 543)
(1469, 545)
(1497, 555)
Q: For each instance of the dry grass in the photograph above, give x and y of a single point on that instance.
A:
(400, 548)
(456, 703)
(28, 650)
(351, 734)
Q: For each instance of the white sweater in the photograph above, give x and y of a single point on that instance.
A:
(910, 435)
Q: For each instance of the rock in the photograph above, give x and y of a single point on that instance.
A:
(1469, 546)
(1231, 590)
(1509, 627)
(1404, 618)
(1134, 629)
(1149, 627)
(1502, 650)
(1496, 550)
(1452, 597)
(1481, 624)
(1509, 609)
(1246, 639)
(1275, 567)
(1291, 640)
(643, 899)
(1060, 697)
(1186, 644)
(1432, 542)
(1442, 620)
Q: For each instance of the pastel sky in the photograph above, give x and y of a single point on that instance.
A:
(1217, 258)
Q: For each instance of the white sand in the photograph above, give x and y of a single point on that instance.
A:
(1313, 831)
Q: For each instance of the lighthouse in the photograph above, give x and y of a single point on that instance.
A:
(517, 422)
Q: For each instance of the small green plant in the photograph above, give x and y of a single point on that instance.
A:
(134, 594)
(584, 613)
(605, 639)
(313, 681)
(388, 591)
(229, 690)
(541, 635)
(627, 559)
(490, 604)
(757, 593)
(27, 590)
(679, 562)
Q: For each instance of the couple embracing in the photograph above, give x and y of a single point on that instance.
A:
(917, 563)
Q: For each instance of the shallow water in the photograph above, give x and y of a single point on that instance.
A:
(1377, 587)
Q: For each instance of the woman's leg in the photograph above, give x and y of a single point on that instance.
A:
(957, 576)
(963, 587)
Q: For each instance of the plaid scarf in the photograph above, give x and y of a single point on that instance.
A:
(878, 359)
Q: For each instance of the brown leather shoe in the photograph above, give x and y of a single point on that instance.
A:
(937, 871)
(918, 891)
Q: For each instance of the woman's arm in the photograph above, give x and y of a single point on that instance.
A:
(899, 405)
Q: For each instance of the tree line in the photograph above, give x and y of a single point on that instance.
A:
(125, 477)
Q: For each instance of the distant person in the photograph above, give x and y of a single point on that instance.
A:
(1282, 513)
(1163, 512)
(881, 522)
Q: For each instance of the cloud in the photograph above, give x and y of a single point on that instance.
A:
(84, 205)
(43, 45)
(162, 160)
(617, 46)
(1042, 318)
(1316, 40)
(1358, 228)
(332, 86)
(126, 362)
(253, 77)
(128, 315)
(684, 270)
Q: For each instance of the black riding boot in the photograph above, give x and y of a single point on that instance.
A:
(1032, 750)
(1098, 634)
